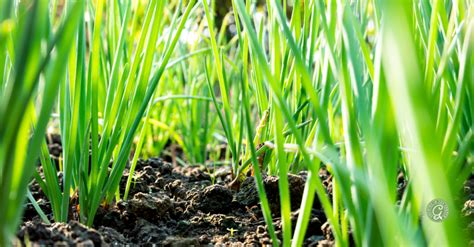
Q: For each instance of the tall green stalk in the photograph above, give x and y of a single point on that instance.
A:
(34, 78)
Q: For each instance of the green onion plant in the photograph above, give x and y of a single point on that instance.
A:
(386, 88)
(117, 62)
(33, 54)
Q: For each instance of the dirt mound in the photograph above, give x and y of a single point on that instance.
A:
(180, 206)
(73, 233)
(172, 205)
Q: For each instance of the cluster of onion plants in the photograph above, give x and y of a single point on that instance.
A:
(119, 56)
(101, 67)
(34, 49)
(367, 89)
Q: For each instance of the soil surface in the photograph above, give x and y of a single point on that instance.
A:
(184, 206)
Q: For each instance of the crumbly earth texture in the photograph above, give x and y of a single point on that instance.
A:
(175, 206)
(188, 206)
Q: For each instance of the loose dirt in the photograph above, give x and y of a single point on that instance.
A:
(181, 206)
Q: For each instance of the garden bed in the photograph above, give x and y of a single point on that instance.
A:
(230, 123)
(180, 206)
(176, 205)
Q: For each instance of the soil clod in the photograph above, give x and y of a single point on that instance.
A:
(150, 207)
(213, 199)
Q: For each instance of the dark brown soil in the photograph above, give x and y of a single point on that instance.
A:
(176, 206)
(179, 206)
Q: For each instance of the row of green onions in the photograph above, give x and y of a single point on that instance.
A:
(364, 88)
